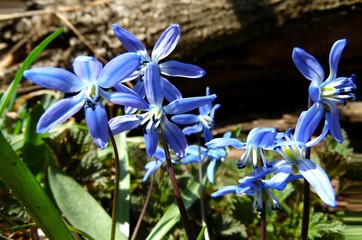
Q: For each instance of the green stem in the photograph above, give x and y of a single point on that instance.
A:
(306, 200)
(201, 192)
(138, 225)
(176, 190)
(116, 185)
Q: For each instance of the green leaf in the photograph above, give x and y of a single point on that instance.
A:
(11, 91)
(201, 234)
(124, 185)
(33, 142)
(79, 207)
(172, 215)
(33, 197)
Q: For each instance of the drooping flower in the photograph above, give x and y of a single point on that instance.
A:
(204, 121)
(255, 185)
(89, 81)
(152, 166)
(326, 94)
(196, 153)
(291, 147)
(163, 47)
(257, 140)
(155, 116)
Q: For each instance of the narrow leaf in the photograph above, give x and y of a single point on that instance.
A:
(33, 197)
(11, 91)
(79, 207)
(124, 185)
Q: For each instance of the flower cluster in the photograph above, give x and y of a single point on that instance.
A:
(91, 80)
(154, 98)
(290, 145)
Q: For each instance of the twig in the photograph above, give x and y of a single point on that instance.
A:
(80, 36)
(58, 9)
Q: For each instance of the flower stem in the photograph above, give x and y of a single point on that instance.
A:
(306, 200)
(201, 193)
(143, 211)
(116, 185)
(177, 193)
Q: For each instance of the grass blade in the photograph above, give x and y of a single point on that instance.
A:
(11, 91)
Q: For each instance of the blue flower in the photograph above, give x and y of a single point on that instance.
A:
(163, 47)
(196, 153)
(155, 115)
(152, 166)
(326, 94)
(255, 185)
(88, 81)
(291, 150)
(203, 121)
(257, 140)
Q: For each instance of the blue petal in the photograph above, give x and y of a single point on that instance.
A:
(87, 68)
(222, 142)
(194, 149)
(214, 108)
(217, 153)
(97, 122)
(139, 88)
(160, 154)
(60, 111)
(166, 43)
(257, 174)
(191, 159)
(123, 123)
(333, 120)
(55, 78)
(208, 134)
(308, 122)
(206, 109)
(187, 104)
(130, 42)
(151, 139)
(127, 99)
(185, 118)
(179, 69)
(118, 68)
(308, 65)
(153, 85)
(334, 57)
(224, 190)
(193, 129)
(170, 91)
(151, 168)
(174, 137)
(280, 179)
(211, 171)
(319, 180)
(262, 137)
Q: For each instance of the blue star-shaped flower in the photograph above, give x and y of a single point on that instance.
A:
(196, 153)
(203, 121)
(163, 47)
(326, 94)
(88, 81)
(257, 140)
(155, 115)
(255, 185)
